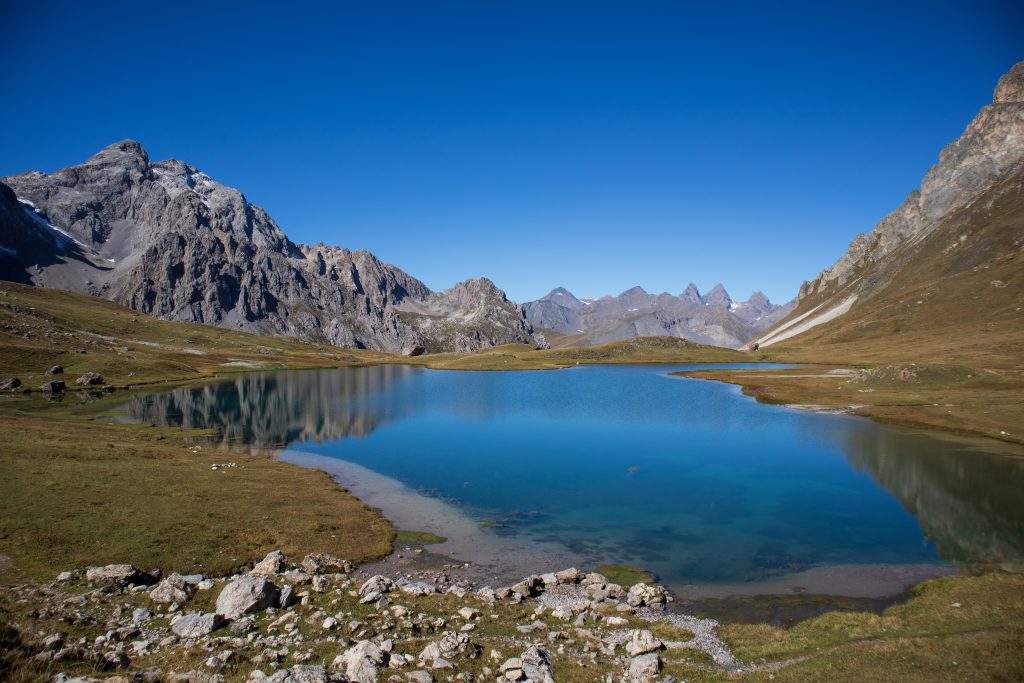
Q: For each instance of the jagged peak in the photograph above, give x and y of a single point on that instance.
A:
(691, 293)
(119, 152)
(560, 292)
(1010, 88)
(759, 297)
(632, 291)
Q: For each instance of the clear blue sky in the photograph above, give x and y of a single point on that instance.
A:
(594, 145)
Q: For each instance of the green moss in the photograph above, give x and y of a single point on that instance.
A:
(625, 575)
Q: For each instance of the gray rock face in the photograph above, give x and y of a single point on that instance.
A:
(990, 148)
(245, 595)
(712, 319)
(166, 239)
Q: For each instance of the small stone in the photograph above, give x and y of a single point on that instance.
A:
(469, 613)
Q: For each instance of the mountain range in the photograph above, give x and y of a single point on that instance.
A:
(167, 240)
(713, 318)
(944, 270)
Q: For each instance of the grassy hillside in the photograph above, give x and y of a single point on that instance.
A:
(954, 296)
(938, 330)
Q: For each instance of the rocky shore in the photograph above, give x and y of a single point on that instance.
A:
(321, 619)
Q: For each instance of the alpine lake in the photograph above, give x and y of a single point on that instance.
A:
(711, 492)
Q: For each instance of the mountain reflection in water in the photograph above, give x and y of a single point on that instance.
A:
(689, 478)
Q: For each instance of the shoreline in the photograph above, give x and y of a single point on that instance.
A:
(471, 550)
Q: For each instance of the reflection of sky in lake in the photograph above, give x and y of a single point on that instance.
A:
(624, 464)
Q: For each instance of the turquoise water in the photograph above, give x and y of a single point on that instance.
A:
(624, 464)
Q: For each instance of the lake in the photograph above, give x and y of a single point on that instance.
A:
(691, 480)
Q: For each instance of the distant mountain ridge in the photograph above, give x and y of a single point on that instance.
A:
(713, 318)
(166, 239)
(945, 268)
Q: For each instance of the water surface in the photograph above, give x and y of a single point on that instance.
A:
(625, 464)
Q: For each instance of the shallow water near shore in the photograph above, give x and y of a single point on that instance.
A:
(709, 490)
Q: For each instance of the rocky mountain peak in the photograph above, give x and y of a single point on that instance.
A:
(718, 296)
(168, 240)
(991, 146)
(691, 294)
(1010, 88)
(123, 153)
(758, 299)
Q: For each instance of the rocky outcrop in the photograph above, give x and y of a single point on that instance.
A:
(166, 239)
(956, 196)
(712, 319)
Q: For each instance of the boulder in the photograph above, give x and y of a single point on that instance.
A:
(562, 612)
(119, 575)
(536, 665)
(414, 351)
(298, 674)
(642, 641)
(644, 667)
(286, 597)
(196, 624)
(528, 586)
(361, 662)
(272, 564)
(469, 613)
(376, 584)
(448, 646)
(56, 370)
(418, 588)
(10, 383)
(174, 589)
(245, 595)
(90, 378)
(642, 594)
(571, 575)
(319, 563)
(54, 386)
